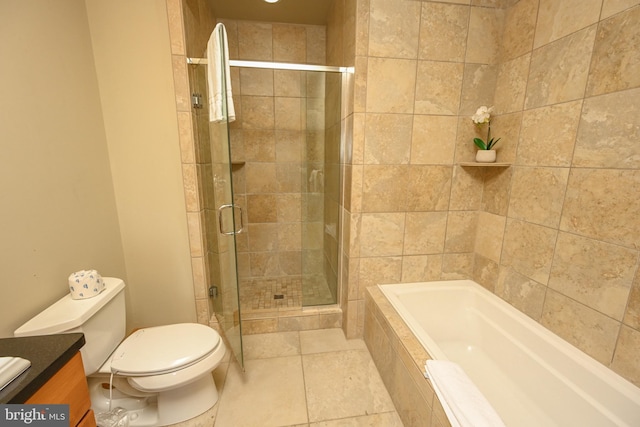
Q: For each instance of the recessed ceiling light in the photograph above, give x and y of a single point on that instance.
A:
(272, 1)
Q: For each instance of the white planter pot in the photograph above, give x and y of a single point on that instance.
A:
(486, 156)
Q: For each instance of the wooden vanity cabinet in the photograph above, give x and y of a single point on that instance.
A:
(68, 386)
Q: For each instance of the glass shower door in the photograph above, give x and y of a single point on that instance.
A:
(228, 223)
(222, 219)
(321, 188)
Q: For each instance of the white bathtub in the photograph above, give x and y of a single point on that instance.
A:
(530, 375)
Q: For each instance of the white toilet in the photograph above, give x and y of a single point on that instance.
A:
(161, 375)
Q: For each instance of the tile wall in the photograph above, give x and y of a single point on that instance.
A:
(400, 359)
(557, 233)
(283, 179)
(278, 141)
(190, 24)
(410, 210)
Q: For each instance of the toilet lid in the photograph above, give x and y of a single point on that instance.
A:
(163, 349)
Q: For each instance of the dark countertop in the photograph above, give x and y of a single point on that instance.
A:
(47, 353)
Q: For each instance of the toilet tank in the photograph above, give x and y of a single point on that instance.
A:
(102, 320)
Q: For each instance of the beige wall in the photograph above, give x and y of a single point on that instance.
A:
(133, 61)
(556, 234)
(53, 102)
(58, 210)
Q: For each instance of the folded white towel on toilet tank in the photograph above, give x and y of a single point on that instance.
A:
(463, 403)
(85, 284)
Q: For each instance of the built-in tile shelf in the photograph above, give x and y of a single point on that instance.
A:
(490, 165)
(237, 163)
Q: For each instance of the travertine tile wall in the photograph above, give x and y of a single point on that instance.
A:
(278, 141)
(411, 211)
(341, 42)
(557, 233)
(400, 359)
(190, 24)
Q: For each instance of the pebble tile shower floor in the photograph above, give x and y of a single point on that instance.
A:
(263, 294)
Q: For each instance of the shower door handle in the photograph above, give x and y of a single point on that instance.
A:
(233, 207)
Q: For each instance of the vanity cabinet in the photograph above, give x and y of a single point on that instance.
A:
(68, 386)
(56, 375)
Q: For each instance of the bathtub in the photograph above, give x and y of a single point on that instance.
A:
(529, 375)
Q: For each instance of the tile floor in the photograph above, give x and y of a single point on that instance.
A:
(294, 291)
(309, 378)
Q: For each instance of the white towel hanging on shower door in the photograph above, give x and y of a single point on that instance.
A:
(219, 77)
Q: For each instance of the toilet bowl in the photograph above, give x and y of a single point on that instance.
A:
(160, 375)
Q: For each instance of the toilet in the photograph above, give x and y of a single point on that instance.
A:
(160, 375)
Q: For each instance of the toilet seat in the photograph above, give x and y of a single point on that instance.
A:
(162, 350)
(181, 377)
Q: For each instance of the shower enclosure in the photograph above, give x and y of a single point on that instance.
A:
(271, 188)
(286, 151)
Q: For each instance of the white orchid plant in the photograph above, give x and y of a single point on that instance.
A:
(481, 117)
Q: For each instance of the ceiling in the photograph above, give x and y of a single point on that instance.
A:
(312, 12)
